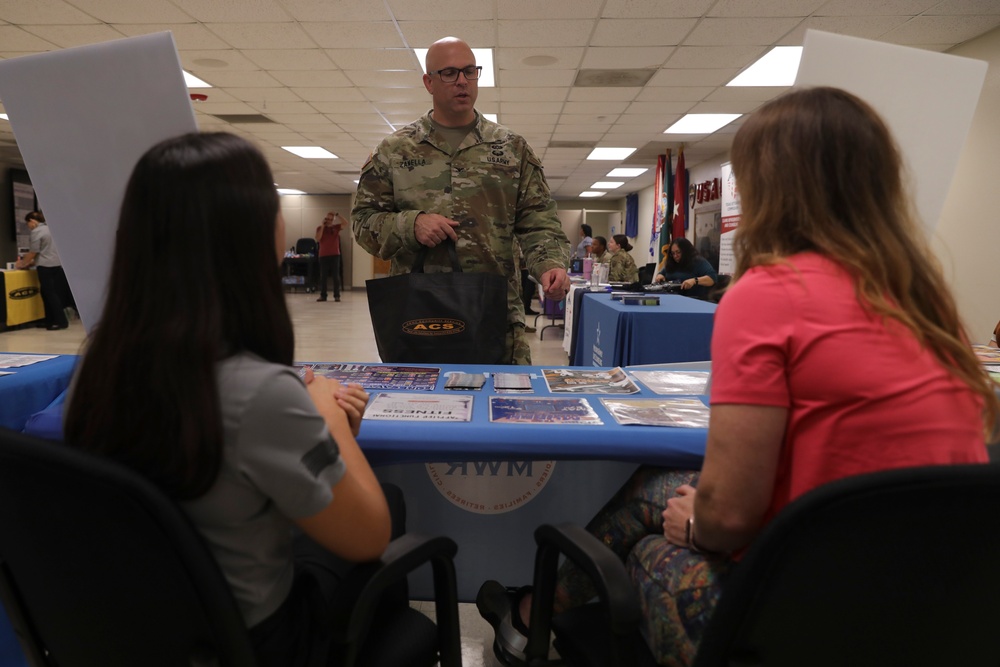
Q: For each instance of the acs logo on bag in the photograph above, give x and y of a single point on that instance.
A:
(433, 326)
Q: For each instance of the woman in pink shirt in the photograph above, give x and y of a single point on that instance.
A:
(837, 351)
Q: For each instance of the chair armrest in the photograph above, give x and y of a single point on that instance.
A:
(404, 555)
(602, 565)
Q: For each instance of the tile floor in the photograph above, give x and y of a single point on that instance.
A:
(330, 331)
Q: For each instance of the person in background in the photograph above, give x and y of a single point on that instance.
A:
(188, 380)
(453, 175)
(621, 266)
(599, 250)
(584, 247)
(42, 254)
(687, 267)
(328, 238)
(836, 268)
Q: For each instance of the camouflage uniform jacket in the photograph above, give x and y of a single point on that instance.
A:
(493, 185)
(622, 268)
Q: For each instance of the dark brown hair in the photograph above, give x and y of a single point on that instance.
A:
(194, 279)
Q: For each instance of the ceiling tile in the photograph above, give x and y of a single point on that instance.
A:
(869, 8)
(941, 29)
(707, 57)
(379, 35)
(15, 41)
(516, 94)
(692, 77)
(262, 35)
(674, 93)
(312, 78)
(236, 11)
(865, 27)
(240, 79)
(290, 59)
(421, 10)
(421, 34)
(536, 78)
(326, 94)
(626, 57)
(66, 36)
(732, 32)
(765, 8)
(656, 9)
(385, 59)
(532, 58)
(146, 11)
(215, 60)
(39, 12)
(341, 10)
(264, 94)
(567, 32)
(642, 32)
(186, 35)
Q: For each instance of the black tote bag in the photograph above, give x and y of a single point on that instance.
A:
(441, 318)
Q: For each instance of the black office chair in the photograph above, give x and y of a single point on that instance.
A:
(98, 567)
(892, 568)
(306, 246)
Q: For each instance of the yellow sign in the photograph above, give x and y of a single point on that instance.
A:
(23, 297)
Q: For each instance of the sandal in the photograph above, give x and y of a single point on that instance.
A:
(500, 607)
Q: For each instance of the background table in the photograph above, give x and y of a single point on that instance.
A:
(30, 389)
(22, 298)
(607, 333)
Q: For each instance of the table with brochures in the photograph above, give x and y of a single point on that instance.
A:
(489, 484)
(485, 483)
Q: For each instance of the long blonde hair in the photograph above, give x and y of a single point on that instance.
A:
(818, 170)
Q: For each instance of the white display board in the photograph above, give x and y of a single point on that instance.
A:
(729, 220)
(927, 99)
(82, 118)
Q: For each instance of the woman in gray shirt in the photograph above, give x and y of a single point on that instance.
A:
(188, 379)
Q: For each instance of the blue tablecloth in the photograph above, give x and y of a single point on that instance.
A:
(30, 389)
(393, 442)
(610, 334)
(487, 485)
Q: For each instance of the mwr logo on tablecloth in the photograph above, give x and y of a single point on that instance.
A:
(490, 487)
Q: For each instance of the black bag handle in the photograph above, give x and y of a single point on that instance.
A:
(418, 264)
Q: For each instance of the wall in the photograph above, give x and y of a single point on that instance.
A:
(968, 234)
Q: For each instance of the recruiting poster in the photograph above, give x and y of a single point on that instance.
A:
(730, 220)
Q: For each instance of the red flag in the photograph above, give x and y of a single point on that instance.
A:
(680, 197)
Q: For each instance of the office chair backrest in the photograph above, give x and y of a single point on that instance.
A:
(97, 567)
(306, 246)
(893, 568)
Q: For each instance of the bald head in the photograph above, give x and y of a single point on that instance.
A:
(454, 101)
(443, 46)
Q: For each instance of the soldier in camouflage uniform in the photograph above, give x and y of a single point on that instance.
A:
(452, 174)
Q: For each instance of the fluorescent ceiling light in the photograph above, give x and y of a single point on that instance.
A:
(4, 116)
(290, 191)
(588, 193)
(483, 57)
(491, 116)
(777, 67)
(607, 185)
(191, 81)
(626, 172)
(310, 152)
(610, 153)
(701, 123)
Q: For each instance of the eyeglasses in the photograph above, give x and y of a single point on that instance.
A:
(450, 74)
